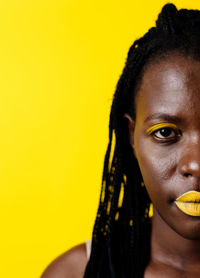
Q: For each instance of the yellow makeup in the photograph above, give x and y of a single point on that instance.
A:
(189, 203)
(161, 125)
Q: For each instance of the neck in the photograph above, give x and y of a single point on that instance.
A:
(170, 248)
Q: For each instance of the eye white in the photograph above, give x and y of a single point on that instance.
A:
(169, 132)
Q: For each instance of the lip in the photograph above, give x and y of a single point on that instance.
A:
(189, 203)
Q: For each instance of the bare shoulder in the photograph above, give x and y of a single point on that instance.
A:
(71, 264)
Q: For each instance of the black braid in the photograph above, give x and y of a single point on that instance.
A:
(121, 235)
(167, 19)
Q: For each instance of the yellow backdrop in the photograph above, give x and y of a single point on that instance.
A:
(59, 64)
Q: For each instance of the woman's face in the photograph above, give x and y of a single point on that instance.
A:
(166, 137)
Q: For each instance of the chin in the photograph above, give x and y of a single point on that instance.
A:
(191, 231)
(191, 236)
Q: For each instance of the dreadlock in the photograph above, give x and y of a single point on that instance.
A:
(121, 234)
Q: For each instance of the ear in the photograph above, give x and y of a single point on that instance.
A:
(131, 128)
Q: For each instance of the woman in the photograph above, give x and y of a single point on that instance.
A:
(153, 156)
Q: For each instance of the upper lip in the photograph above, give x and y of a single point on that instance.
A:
(189, 196)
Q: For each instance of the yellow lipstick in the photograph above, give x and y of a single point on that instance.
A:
(189, 203)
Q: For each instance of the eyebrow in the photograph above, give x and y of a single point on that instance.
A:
(163, 116)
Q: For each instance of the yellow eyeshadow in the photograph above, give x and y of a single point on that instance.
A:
(159, 126)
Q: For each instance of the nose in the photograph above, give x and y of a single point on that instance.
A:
(189, 164)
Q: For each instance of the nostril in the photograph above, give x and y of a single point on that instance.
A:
(189, 166)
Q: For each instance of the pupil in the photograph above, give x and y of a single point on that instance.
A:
(165, 132)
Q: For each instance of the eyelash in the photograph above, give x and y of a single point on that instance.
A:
(173, 128)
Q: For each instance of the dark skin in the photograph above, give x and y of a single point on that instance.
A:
(69, 265)
(170, 161)
(170, 165)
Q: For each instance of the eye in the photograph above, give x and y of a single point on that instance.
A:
(166, 132)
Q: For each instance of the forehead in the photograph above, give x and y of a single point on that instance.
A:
(170, 85)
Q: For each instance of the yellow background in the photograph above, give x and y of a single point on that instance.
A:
(59, 65)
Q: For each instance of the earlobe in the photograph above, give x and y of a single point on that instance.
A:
(131, 128)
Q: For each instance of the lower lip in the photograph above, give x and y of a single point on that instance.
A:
(189, 208)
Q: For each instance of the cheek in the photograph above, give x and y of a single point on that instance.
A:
(158, 166)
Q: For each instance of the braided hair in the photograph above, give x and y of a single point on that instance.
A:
(121, 234)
